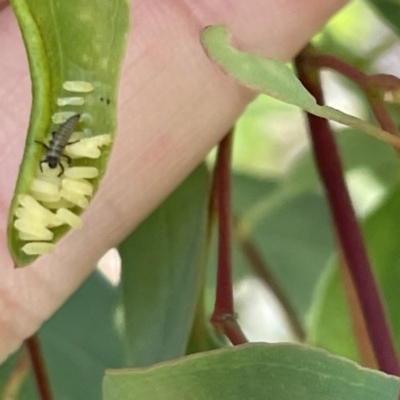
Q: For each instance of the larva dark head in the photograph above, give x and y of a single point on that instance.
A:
(52, 162)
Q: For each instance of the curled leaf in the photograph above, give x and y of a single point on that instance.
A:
(75, 50)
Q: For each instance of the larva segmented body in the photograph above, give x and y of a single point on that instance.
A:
(53, 198)
(57, 143)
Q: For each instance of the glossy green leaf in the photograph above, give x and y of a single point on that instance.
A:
(162, 271)
(329, 323)
(275, 79)
(68, 41)
(255, 371)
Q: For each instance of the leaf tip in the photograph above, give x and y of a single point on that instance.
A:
(213, 34)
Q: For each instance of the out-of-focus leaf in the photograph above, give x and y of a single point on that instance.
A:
(275, 79)
(292, 231)
(293, 237)
(329, 323)
(389, 10)
(296, 242)
(162, 270)
(256, 371)
(202, 336)
(361, 151)
(247, 190)
(78, 343)
(353, 35)
(81, 340)
(357, 151)
(24, 388)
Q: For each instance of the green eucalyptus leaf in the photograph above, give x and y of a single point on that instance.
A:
(68, 41)
(254, 371)
(163, 264)
(271, 77)
(275, 79)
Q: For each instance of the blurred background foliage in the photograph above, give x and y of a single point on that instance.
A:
(278, 206)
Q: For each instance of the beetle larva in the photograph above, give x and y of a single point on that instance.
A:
(60, 138)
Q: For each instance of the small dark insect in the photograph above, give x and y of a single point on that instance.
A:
(57, 144)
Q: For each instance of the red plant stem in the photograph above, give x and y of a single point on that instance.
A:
(38, 368)
(224, 294)
(370, 85)
(382, 116)
(233, 331)
(224, 317)
(349, 235)
(347, 70)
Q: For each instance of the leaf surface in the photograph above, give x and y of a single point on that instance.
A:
(254, 371)
(275, 79)
(162, 270)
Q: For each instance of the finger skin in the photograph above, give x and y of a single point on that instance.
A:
(174, 106)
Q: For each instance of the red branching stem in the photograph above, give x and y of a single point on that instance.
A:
(382, 116)
(372, 86)
(224, 317)
(386, 82)
(347, 229)
(232, 330)
(38, 368)
(347, 70)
